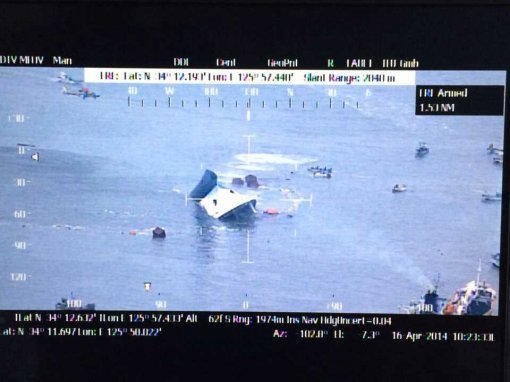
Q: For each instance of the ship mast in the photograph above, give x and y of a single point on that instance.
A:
(478, 273)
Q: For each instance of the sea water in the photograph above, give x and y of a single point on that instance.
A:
(345, 244)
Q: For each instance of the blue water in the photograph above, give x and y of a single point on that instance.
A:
(106, 169)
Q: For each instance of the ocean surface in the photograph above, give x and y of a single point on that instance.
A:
(345, 244)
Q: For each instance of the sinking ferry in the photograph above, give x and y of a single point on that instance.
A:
(221, 202)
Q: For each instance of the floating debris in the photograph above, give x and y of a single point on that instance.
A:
(158, 233)
(145, 231)
(238, 181)
(251, 181)
(271, 211)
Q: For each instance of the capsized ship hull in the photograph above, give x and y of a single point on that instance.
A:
(220, 202)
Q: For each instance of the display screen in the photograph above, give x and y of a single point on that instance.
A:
(223, 179)
(365, 188)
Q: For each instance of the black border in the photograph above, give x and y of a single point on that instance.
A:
(39, 27)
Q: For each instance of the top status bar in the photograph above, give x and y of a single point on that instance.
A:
(247, 76)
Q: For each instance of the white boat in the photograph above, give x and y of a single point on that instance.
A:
(491, 197)
(495, 260)
(475, 299)
(399, 188)
(221, 202)
(493, 150)
(66, 79)
(320, 174)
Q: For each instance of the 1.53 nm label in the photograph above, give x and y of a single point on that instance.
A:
(459, 100)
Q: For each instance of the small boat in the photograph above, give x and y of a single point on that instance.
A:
(321, 172)
(493, 150)
(399, 188)
(491, 197)
(498, 159)
(495, 260)
(220, 202)
(430, 303)
(66, 79)
(474, 299)
(319, 169)
(422, 149)
(322, 175)
(73, 304)
(83, 93)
